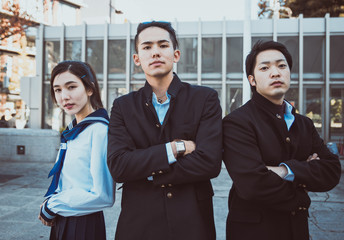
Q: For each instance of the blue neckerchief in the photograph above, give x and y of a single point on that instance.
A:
(71, 132)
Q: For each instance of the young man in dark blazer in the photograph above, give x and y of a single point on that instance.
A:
(165, 144)
(273, 155)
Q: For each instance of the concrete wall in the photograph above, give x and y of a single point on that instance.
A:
(28, 145)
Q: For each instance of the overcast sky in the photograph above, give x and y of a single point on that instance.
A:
(181, 10)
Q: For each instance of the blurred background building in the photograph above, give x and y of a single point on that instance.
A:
(213, 54)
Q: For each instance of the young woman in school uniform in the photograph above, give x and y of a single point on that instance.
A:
(82, 185)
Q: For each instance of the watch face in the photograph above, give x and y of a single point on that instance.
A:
(180, 146)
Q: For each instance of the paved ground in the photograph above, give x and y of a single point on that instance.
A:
(22, 186)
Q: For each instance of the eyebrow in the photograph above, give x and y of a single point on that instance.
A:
(277, 61)
(150, 42)
(67, 83)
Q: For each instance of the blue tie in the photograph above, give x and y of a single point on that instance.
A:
(71, 132)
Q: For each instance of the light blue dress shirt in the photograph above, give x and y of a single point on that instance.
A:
(289, 120)
(85, 184)
(161, 110)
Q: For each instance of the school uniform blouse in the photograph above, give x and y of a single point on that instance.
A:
(85, 184)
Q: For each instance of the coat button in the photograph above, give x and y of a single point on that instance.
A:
(293, 213)
(304, 185)
(287, 139)
(153, 173)
(300, 208)
(170, 185)
(162, 185)
(278, 116)
(147, 104)
(169, 195)
(157, 125)
(160, 172)
(304, 209)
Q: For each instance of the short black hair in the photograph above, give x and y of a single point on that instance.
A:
(261, 46)
(86, 74)
(161, 24)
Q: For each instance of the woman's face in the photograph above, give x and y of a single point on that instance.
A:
(72, 96)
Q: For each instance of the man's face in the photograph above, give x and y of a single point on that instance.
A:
(271, 75)
(155, 52)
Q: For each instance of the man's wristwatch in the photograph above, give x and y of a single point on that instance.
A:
(180, 147)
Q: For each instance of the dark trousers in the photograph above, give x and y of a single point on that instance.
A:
(87, 227)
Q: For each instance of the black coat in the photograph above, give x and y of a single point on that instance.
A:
(177, 204)
(261, 204)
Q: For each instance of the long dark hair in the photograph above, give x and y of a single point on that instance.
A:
(85, 73)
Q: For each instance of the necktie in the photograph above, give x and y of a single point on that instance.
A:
(71, 132)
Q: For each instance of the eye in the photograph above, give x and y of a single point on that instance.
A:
(164, 46)
(71, 87)
(282, 65)
(264, 68)
(146, 48)
(57, 90)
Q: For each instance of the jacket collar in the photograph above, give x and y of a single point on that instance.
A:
(265, 104)
(173, 89)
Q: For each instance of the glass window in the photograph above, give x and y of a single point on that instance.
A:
(95, 57)
(117, 56)
(337, 58)
(292, 96)
(233, 98)
(73, 50)
(52, 114)
(211, 55)
(313, 56)
(337, 113)
(314, 107)
(235, 55)
(115, 91)
(292, 44)
(52, 55)
(188, 58)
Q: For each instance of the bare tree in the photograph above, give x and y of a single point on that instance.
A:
(14, 21)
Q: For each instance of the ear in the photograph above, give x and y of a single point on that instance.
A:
(251, 80)
(89, 92)
(136, 59)
(176, 56)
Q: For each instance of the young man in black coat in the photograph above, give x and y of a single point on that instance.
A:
(273, 155)
(165, 143)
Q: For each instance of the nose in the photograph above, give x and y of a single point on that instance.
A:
(155, 51)
(64, 94)
(275, 72)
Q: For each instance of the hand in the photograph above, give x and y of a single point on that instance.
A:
(190, 146)
(313, 157)
(49, 224)
(281, 171)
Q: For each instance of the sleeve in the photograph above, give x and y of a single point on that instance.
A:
(205, 162)
(82, 200)
(317, 175)
(251, 179)
(125, 161)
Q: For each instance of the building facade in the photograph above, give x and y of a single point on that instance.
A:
(17, 52)
(212, 54)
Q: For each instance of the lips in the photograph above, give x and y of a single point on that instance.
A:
(276, 83)
(156, 63)
(68, 106)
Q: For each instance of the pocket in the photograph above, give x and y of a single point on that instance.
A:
(244, 216)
